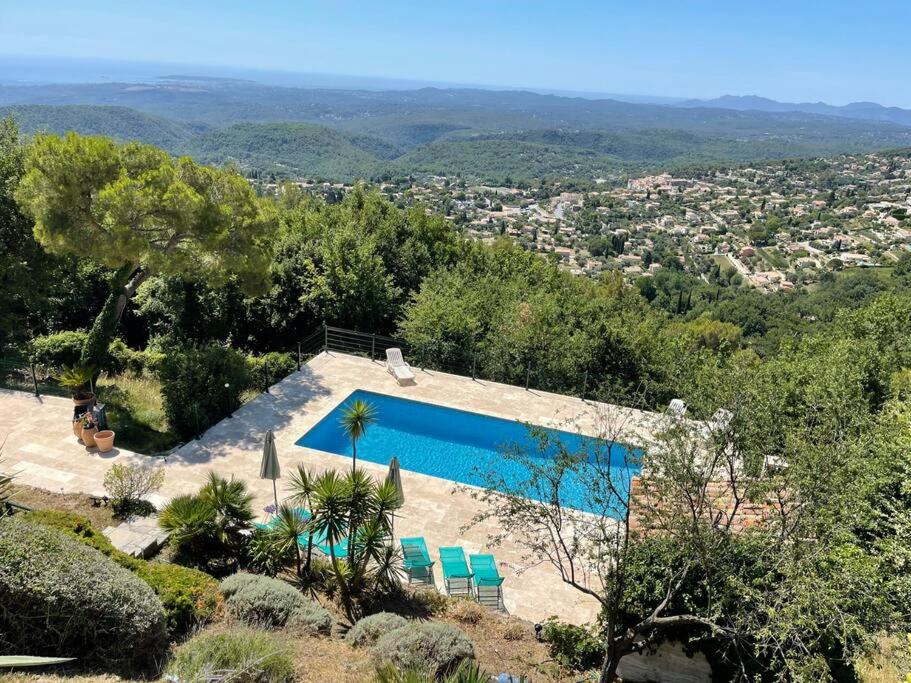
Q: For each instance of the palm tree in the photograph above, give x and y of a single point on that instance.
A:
(287, 530)
(232, 505)
(356, 417)
(211, 523)
(302, 486)
(331, 516)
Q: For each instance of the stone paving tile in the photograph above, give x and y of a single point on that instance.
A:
(434, 508)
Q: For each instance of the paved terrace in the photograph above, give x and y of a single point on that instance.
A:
(40, 446)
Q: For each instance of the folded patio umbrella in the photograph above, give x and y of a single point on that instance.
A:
(395, 476)
(269, 468)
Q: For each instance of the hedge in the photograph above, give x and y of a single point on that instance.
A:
(267, 602)
(269, 368)
(57, 350)
(371, 628)
(65, 599)
(190, 597)
(434, 649)
(193, 386)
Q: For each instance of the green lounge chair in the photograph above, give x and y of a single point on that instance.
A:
(487, 580)
(418, 565)
(319, 538)
(456, 573)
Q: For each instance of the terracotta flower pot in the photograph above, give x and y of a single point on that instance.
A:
(104, 440)
(77, 429)
(85, 399)
(88, 436)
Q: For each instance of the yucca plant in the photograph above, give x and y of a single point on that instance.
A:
(22, 662)
(302, 487)
(356, 417)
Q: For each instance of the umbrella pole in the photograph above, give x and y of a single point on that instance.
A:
(275, 493)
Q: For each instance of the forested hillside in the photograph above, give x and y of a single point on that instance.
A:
(474, 133)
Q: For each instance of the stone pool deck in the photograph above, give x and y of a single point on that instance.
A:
(40, 447)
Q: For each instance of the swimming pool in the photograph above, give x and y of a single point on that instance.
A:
(458, 445)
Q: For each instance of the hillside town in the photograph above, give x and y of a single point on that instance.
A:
(771, 227)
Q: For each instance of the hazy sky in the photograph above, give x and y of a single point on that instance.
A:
(836, 51)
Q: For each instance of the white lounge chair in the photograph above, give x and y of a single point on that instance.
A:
(397, 367)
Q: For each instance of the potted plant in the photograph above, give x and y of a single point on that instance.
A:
(78, 379)
(77, 427)
(104, 440)
(89, 428)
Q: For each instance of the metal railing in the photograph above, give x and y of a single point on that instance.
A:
(427, 357)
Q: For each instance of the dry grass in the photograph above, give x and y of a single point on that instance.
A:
(889, 664)
(136, 413)
(80, 503)
(465, 611)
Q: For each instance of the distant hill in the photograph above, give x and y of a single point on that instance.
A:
(483, 134)
(869, 111)
(293, 149)
(119, 123)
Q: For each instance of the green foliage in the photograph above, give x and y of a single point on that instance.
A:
(243, 655)
(433, 648)
(62, 598)
(127, 485)
(269, 603)
(193, 221)
(95, 351)
(269, 368)
(189, 597)
(193, 386)
(208, 528)
(507, 313)
(368, 630)
(577, 647)
(61, 349)
(77, 378)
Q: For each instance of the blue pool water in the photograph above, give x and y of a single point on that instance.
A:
(460, 446)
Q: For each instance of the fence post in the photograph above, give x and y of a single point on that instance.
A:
(584, 384)
(325, 337)
(527, 375)
(34, 378)
(298, 356)
(372, 347)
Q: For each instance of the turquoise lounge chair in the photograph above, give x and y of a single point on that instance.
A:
(319, 538)
(456, 573)
(418, 565)
(487, 580)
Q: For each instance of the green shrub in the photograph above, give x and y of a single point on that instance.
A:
(57, 350)
(62, 598)
(432, 648)
(189, 596)
(271, 603)
(241, 655)
(268, 369)
(123, 359)
(577, 647)
(236, 582)
(371, 628)
(80, 528)
(209, 528)
(193, 386)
